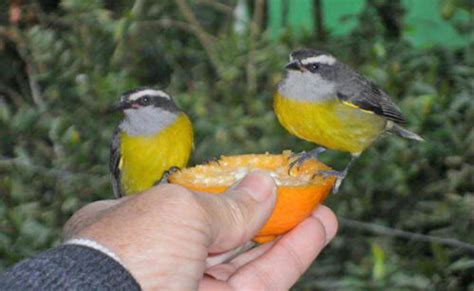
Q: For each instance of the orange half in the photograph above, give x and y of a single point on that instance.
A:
(298, 192)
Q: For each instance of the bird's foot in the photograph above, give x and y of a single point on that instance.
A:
(298, 159)
(340, 176)
(335, 173)
(212, 160)
(167, 174)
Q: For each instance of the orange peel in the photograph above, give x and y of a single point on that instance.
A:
(299, 191)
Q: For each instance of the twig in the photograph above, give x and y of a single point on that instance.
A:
(393, 232)
(35, 89)
(11, 94)
(318, 12)
(217, 6)
(204, 38)
(257, 17)
(23, 52)
(169, 23)
(254, 31)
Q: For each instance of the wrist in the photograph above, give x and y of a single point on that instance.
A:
(93, 245)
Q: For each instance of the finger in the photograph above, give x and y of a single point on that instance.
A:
(281, 266)
(328, 219)
(224, 271)
(213, 260)
(237, 215)
(86, 216)
(252, 254)
(210, 284)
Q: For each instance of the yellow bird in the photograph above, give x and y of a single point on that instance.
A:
(154, 137)
(326, 102)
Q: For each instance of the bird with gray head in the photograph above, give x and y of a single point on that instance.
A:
(146, 111)
(154, 136)
(324, 101)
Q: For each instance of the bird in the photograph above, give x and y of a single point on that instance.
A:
(154, 138)
(324, 101)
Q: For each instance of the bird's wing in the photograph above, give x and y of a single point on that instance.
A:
(114, 163)
(364, 94)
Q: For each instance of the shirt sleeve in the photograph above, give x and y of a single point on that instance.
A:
(68, 267)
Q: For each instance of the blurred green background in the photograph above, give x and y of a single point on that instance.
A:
(63, 63)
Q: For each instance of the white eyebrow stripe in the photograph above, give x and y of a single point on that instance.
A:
(322, 59)
(139, 94)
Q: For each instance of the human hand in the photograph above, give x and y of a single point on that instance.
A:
(164, 236)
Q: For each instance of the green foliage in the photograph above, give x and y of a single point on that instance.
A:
(62, 68)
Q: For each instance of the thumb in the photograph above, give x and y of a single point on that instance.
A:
(237, 215)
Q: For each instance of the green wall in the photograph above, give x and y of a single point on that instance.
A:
(424, 25)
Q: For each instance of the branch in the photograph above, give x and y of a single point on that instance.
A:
(204, 38)
(255, 25)
(15, 97)
(217, 6)
(23, 51)
(35, 89)
(170, 23)
(257, 17)
(393, 232)
(318, 12)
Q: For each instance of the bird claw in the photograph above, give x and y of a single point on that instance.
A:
(296, 155)
(299, 158)
(335, 173)
(212, 160)
(167, 174)
(340, 176)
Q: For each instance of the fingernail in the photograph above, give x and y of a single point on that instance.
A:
(207, 275)
(259, 184)
(328, 220)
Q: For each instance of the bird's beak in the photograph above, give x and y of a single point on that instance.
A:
(119, 106)
(295, 65)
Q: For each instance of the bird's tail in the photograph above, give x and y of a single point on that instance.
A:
(405, 132)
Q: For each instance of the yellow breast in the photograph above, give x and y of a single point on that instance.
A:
(331, 124)
(145, 159)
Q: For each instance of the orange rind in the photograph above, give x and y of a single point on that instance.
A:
(299, 191)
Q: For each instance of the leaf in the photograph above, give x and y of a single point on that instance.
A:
(378, 257)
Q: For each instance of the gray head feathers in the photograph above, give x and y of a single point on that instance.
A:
(306, 53)
(146, 121)
(305, 86)
(310, 56)
(140, 92)
(310, 76)
(147, 111)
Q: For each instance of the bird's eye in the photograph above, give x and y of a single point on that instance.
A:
(313, 67)
(145, 100)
